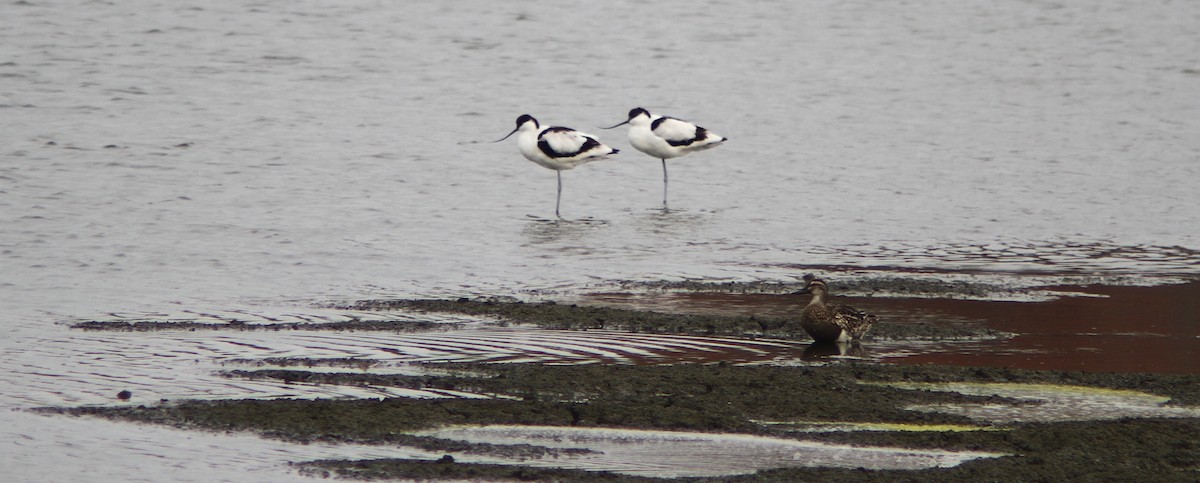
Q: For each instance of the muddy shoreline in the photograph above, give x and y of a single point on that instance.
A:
(722, 397)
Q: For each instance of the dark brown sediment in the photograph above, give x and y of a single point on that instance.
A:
(1110, 329)
(1127, 329)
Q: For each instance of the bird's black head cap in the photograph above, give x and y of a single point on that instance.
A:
(526, 118)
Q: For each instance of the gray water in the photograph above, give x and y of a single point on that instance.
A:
(165, 157)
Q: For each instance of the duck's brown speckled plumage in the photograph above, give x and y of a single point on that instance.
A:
(832, 323)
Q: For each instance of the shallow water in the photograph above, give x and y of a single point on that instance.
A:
(256, 158)
(674, 454)
(56, 448)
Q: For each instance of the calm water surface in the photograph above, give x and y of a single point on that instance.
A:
(218, 157)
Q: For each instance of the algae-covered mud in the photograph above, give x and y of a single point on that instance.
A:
(538, 416)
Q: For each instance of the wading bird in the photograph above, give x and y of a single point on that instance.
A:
(666, 137)
(831, 323)
(556, 148)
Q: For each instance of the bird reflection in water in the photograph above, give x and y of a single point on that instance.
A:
(821, 350)
(543, 231)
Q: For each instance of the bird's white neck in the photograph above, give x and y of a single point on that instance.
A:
(642, 120)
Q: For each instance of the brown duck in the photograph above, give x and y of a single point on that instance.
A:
(831, 323)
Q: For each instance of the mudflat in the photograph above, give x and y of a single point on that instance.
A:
(1060, 424)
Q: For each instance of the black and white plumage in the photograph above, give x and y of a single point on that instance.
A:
(831, 323)
(667, 137)
(556, 147)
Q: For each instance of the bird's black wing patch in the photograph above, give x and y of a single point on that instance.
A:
(544, 145)
(701, 134)
(673, 136)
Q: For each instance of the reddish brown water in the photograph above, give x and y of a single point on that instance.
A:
(1117, 329)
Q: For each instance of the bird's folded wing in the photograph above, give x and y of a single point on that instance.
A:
(561, 142)
(674, 131)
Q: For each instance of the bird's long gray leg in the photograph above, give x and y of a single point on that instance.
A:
(558, 200)
(664, 162)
